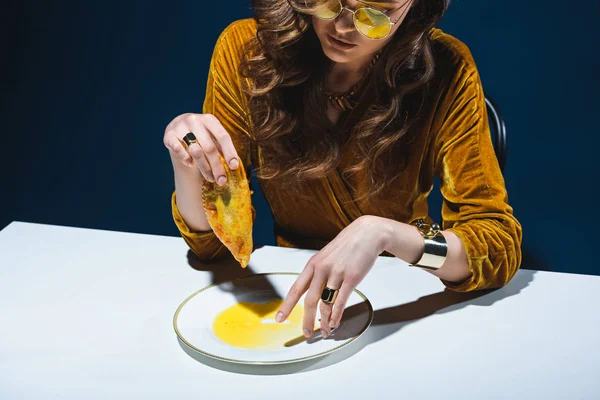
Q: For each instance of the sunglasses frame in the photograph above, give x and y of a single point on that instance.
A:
(353, 12)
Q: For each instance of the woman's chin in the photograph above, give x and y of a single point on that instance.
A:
(336, 55)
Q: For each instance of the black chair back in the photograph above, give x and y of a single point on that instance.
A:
(497, 130)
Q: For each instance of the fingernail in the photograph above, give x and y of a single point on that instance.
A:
(233, 163)
(332, 324)
(325, 333)
(222, 180)
(279, 317)
(306, 332)
(211, 178)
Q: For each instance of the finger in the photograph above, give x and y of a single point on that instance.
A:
(311, 301)
(223, 139)
(177, 148)
(334, 282)
(209, 147)
(200, 161)
(340, 304)
(299, 287)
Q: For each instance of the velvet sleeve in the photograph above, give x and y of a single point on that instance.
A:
(475, 201)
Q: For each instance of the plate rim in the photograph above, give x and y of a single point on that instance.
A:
(275, 362)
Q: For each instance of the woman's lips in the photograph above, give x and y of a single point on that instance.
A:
(339, 44)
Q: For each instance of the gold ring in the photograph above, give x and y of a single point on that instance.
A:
(189, 139)
(329, 295)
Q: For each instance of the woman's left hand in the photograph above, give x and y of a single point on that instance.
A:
(342, 264)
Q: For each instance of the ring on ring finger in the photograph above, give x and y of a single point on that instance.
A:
(329, 295)
(190, 139)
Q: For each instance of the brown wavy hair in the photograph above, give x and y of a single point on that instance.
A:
(285, 65)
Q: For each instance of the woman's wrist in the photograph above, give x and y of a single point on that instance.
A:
(402, 240)
(405, 242)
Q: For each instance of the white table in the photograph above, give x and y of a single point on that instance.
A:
(88, 314)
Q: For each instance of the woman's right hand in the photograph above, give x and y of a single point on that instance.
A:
(212, 140)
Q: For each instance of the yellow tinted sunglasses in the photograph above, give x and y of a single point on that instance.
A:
(370, 22)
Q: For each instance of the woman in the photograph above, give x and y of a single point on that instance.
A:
(348, 110)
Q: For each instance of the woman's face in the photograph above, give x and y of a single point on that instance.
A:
(341, 41)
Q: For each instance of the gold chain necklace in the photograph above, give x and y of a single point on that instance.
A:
(347, 101)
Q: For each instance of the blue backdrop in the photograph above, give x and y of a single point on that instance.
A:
(88, 88)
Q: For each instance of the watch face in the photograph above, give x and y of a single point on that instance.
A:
(429, 231)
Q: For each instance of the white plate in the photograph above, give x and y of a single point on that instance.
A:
(194, 322)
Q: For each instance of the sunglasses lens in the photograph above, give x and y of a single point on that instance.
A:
(372, 23)
(327, 9)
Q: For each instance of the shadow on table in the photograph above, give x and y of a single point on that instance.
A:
(229, 270)
(386, 321)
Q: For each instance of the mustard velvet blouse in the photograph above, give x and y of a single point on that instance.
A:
(452, 142)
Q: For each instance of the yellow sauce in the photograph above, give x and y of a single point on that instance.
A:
(252, 326)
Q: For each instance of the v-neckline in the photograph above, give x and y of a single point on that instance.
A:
(344, 203)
